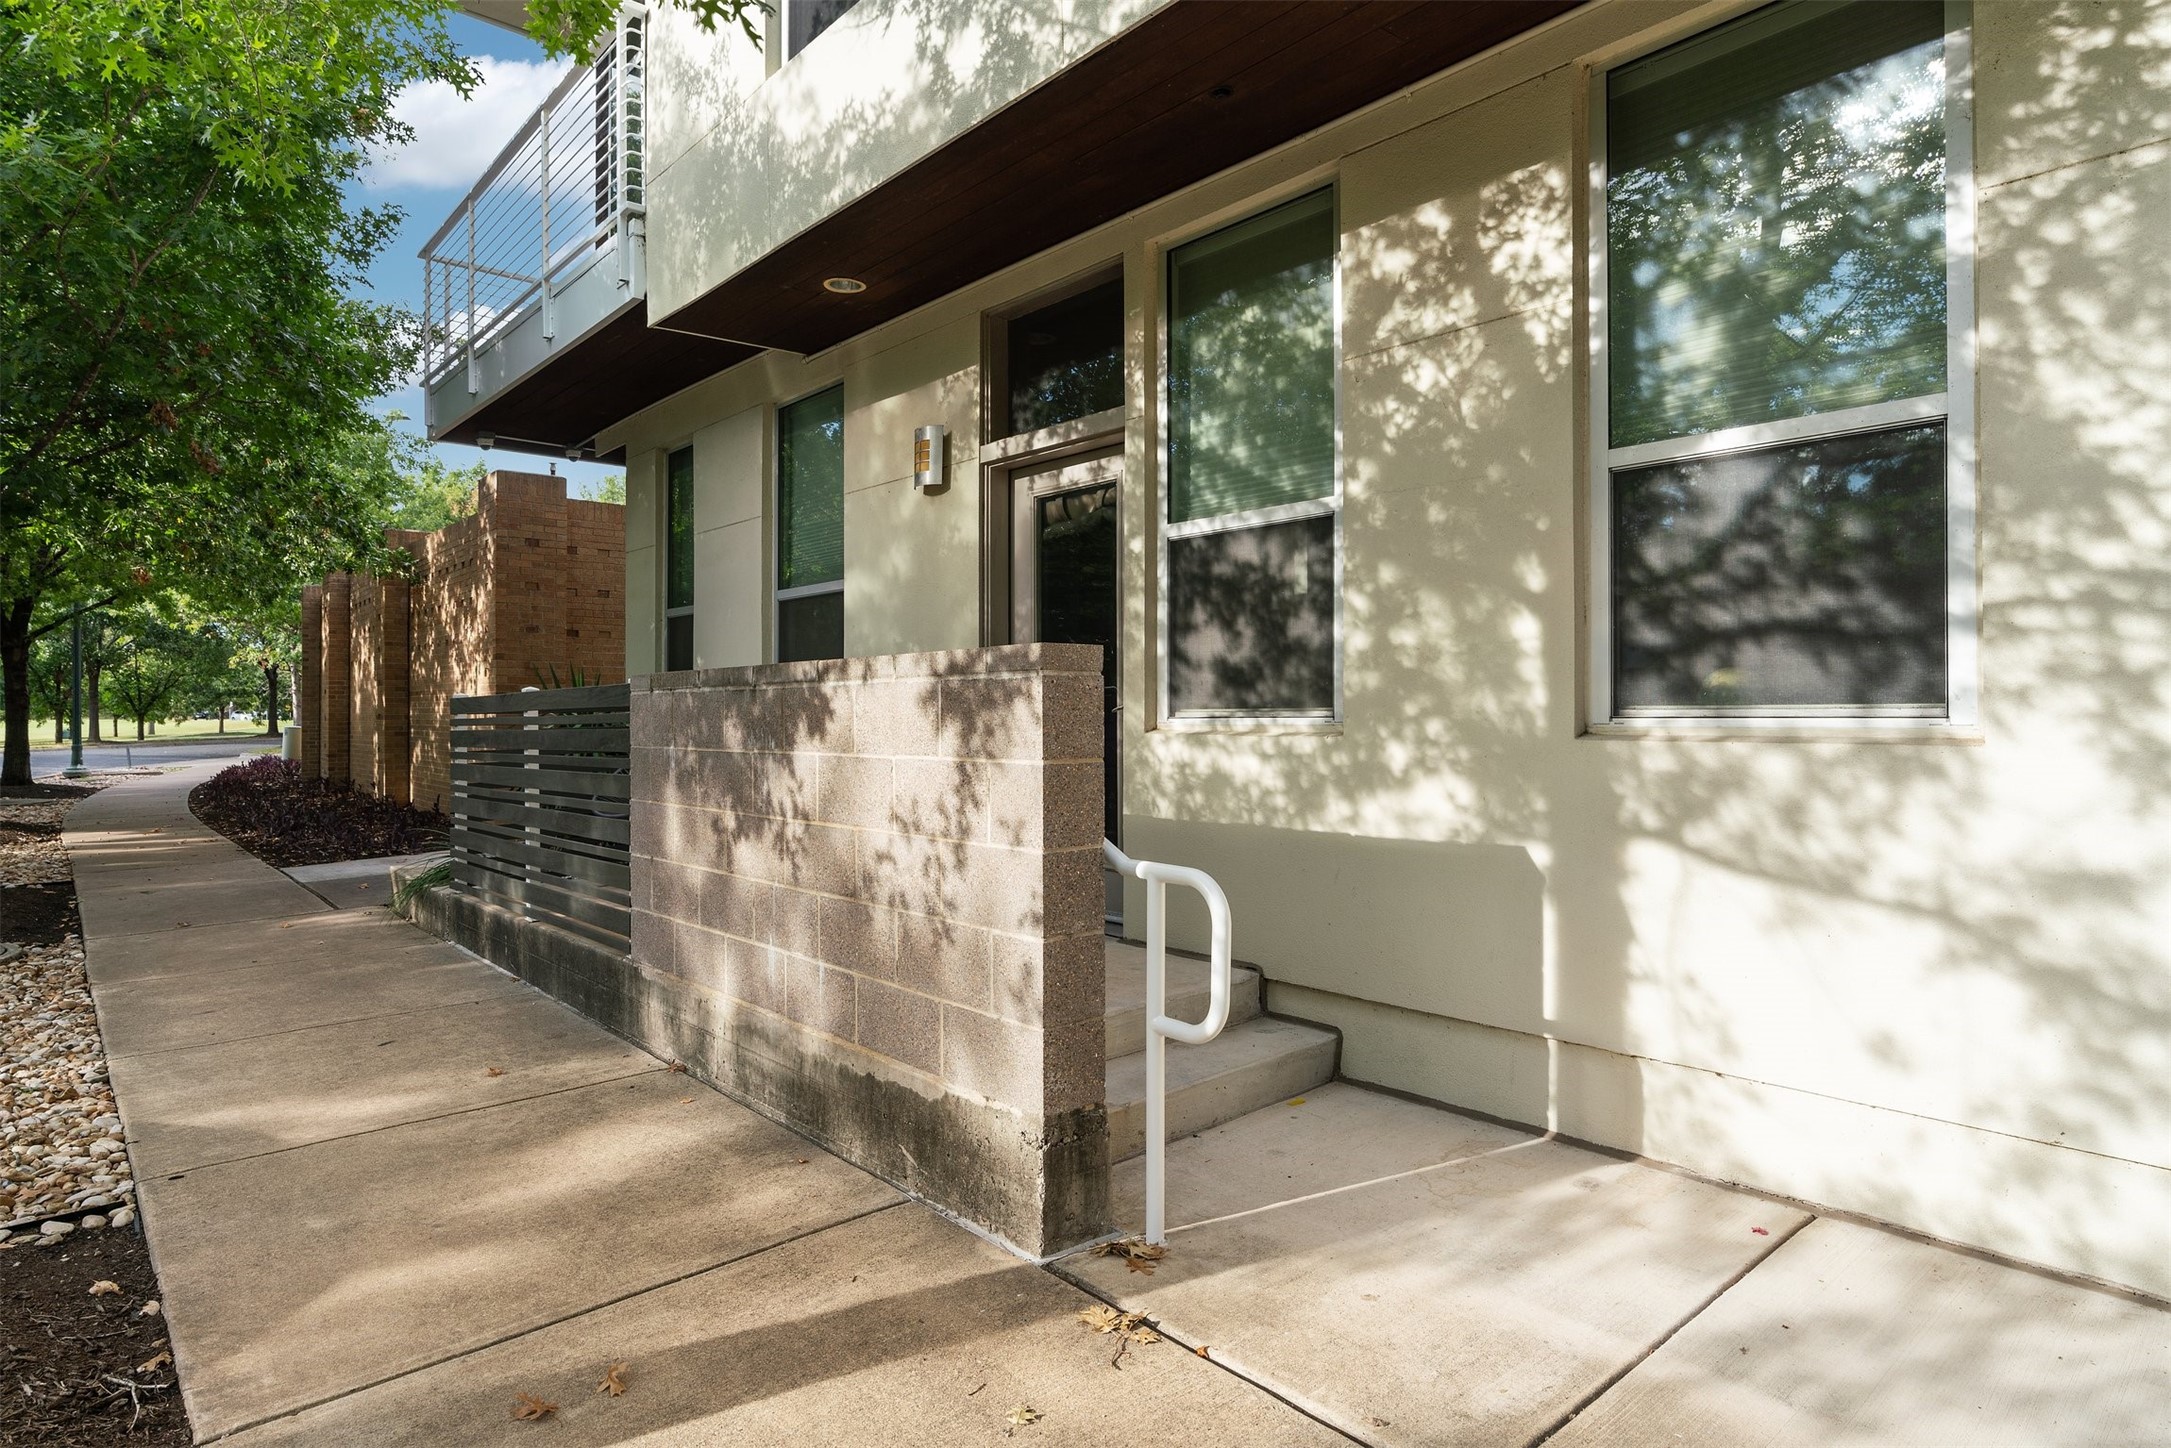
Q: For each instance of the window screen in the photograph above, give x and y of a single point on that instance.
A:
(1251, 363)
(1775, 220)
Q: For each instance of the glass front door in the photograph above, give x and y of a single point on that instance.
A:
(1063, 583)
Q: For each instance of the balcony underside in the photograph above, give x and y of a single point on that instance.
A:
(1133, 121)
(612, 372)
(1194, 89)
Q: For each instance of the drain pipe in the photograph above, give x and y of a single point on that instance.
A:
(1161, 1028)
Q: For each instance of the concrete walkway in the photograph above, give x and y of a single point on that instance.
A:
(388, 1188)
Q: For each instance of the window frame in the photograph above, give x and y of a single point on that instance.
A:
(1955, 406)
(1329, 720)
(779, 596)
(685, 610)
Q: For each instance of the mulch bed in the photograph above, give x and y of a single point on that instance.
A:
(268, 809)
(80, 1371)
(77, 1369)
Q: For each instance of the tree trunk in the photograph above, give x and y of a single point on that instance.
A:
(271, 698)
(222, 718)
(139, 728)
(92, 668)
(15, 684)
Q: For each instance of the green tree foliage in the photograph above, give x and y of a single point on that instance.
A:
(569, 27)
(164, 666)
(182, 344)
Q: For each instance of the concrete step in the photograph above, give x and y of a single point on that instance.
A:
(1125, 1014)
(1251, 1064)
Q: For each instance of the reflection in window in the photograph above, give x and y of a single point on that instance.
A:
(810, 527)
(1253, 504)
(1775, 254)
(678, 567)
(806, 19)
(1065, 361)
(1801, 577)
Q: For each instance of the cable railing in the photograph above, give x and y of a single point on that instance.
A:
(1161, 1028)
(563, 197)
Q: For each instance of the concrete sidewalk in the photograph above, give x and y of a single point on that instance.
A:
(389, 1187)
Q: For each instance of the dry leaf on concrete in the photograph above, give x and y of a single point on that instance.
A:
(495, 1071)
(1201, 1350)
(529, 1408)
(1137, 1253)
(678, 1068)
(614, 1380)
(1024, 1413)
(102, 1289)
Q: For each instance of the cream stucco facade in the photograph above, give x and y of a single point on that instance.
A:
(1920, 973)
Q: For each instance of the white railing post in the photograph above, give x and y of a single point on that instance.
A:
(550, 319)
(1160, 1026)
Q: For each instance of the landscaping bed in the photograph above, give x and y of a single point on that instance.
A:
(268, 809)
(77, 1366)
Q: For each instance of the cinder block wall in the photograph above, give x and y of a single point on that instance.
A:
(532, 581)
(867, 901)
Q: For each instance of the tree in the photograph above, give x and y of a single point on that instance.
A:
(155, 665)
(182, 343)
(567, 27)
(52, 676)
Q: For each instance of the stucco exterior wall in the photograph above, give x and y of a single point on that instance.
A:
(746, 150)
(1923, 978)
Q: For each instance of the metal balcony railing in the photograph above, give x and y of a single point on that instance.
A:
(562, 198)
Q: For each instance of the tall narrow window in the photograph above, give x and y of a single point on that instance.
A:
(810, 528)
(1779, 486)
(678, 561)
(1254, 502)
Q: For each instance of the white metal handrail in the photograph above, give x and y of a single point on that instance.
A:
(566, 192)
(1160, 1026)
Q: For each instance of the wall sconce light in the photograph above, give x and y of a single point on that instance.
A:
(929, 462)
(486, 440)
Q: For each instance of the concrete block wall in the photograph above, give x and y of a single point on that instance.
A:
(531, 581)
(867, 901)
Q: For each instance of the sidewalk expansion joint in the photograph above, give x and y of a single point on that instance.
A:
(297, 1030)
(574, 1316)
(1583, 1404)
(1296, 1405)
(173, 1172)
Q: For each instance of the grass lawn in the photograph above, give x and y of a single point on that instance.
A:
(123, 731)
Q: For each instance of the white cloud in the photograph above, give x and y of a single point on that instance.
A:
(455, 139)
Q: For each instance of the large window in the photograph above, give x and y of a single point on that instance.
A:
(1251, 528)
(1783, 504)
(678, 561)
(810, 528)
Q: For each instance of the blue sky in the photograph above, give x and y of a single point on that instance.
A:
(455, 141)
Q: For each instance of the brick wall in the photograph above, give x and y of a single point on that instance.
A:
(867, 900)
(310, 707)
(532, 581)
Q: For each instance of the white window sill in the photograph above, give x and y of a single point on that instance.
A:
(1782, 730)
(1194, 724)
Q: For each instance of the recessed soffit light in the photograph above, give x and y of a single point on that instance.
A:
(844, 286)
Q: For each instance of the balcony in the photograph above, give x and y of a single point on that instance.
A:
(545, 258)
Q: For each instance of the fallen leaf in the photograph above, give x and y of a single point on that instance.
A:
(495, 1071)
(1137, 1253)
(614, 1380)
(1372, 1422)
(528, 1408)
(102, 1289)
(1100, 1317)
(799, 1161)
(1200, 1349)
(1296, 1101)
(685, 1101)
(150, 1309)
(1024, 1413)
(678, 1068)
(1760, 1231)
(155, 1363)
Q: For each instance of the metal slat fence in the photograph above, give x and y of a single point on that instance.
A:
(541, 820)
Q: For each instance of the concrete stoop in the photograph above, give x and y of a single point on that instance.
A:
(1255, 1062)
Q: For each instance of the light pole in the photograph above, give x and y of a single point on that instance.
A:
(75, 698)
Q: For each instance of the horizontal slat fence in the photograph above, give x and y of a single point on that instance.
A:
(540, 815)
